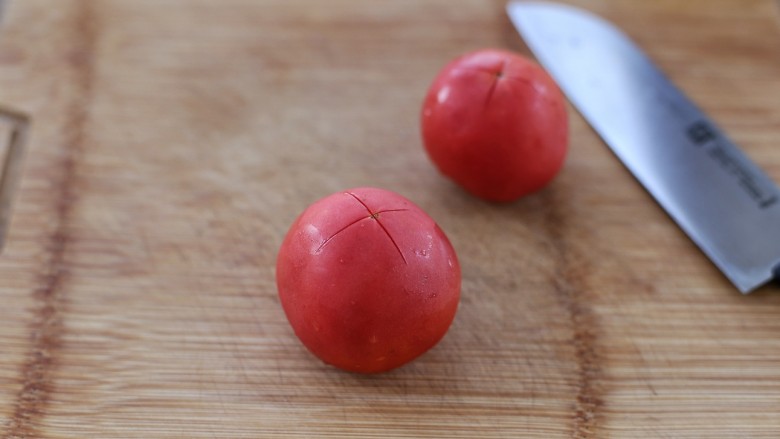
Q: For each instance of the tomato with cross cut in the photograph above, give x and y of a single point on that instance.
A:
(367, 280)
(495, 123)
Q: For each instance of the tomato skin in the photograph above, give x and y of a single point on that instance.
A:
(495, 123)
(367, 293)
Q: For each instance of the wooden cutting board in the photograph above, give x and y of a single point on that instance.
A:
(175, 141)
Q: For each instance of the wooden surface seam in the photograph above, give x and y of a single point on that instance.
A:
(570, 287)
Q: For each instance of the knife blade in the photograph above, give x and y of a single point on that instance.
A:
(723, 201)
(10, 167)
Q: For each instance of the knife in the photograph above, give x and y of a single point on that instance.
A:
(10, 170)
(713, 191)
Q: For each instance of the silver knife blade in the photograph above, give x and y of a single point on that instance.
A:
(715, 193)
(10, 166)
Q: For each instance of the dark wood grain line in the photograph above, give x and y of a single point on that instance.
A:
(571, 288)
(47, 325)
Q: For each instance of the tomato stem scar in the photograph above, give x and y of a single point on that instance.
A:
(375, 217)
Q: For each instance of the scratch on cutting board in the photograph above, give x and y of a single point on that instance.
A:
(47, 325)
(568, 282)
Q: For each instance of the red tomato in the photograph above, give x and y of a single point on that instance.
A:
(496, 123)
(367, 280)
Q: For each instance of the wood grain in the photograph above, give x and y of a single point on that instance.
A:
(173, 143)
